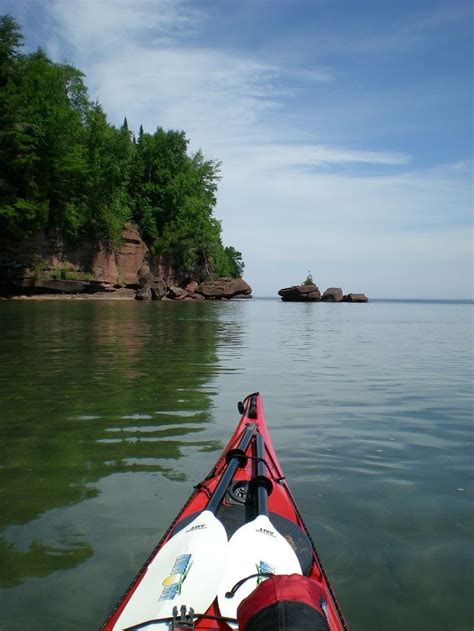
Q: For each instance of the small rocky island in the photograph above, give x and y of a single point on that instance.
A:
(309, 292)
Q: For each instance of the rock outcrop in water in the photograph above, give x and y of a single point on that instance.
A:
(224, 288)
(311, 293)
(300, 293)
(356, 298)
(42, 265)
(333, 294)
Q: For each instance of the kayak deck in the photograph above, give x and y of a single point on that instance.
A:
(236, 509)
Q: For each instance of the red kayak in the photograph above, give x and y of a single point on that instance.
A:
(238, 555)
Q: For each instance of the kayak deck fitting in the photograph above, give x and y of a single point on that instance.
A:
(199, 572)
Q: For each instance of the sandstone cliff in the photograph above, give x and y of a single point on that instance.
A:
(44, 265)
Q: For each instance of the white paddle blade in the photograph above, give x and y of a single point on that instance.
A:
(255, 548)
(186, 571)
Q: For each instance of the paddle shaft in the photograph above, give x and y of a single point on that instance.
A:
(232, 467)
(255, 545)
(261, 479)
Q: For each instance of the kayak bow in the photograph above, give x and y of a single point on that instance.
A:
(190, 576)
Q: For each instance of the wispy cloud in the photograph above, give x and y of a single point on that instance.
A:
(288, 157)
(102, 28)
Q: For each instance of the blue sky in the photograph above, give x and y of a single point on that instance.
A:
(344, 127)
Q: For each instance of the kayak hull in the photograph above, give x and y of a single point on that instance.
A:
(237, 509)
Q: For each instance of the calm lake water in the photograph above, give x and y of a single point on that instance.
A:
(110, 413)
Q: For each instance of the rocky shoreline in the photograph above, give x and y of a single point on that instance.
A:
(172, 294)
(44, 268)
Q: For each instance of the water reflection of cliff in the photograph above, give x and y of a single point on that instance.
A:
(91, 389)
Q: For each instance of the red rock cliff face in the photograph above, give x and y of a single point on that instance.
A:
(46, 265)
(120, 266)
(35, 264)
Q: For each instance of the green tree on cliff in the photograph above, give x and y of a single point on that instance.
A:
(108, 159)
(17, 152)
(41, 158)
(66, 170)
(11, 41)
(235, 262)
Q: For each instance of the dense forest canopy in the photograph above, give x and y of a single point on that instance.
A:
(66, 170)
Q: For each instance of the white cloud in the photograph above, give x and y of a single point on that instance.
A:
(103, 28)
(213, 98)
(277, 156)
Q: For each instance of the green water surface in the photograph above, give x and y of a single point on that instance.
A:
(111, 412)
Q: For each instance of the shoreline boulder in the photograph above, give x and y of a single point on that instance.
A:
(144, 293)
(176, 293)
(223, 288)
(191, 286)
(158, 289)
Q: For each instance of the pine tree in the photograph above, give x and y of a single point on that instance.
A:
(11, 41)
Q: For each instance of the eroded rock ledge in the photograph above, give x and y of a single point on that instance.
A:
(311, 293)
(44, 266)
